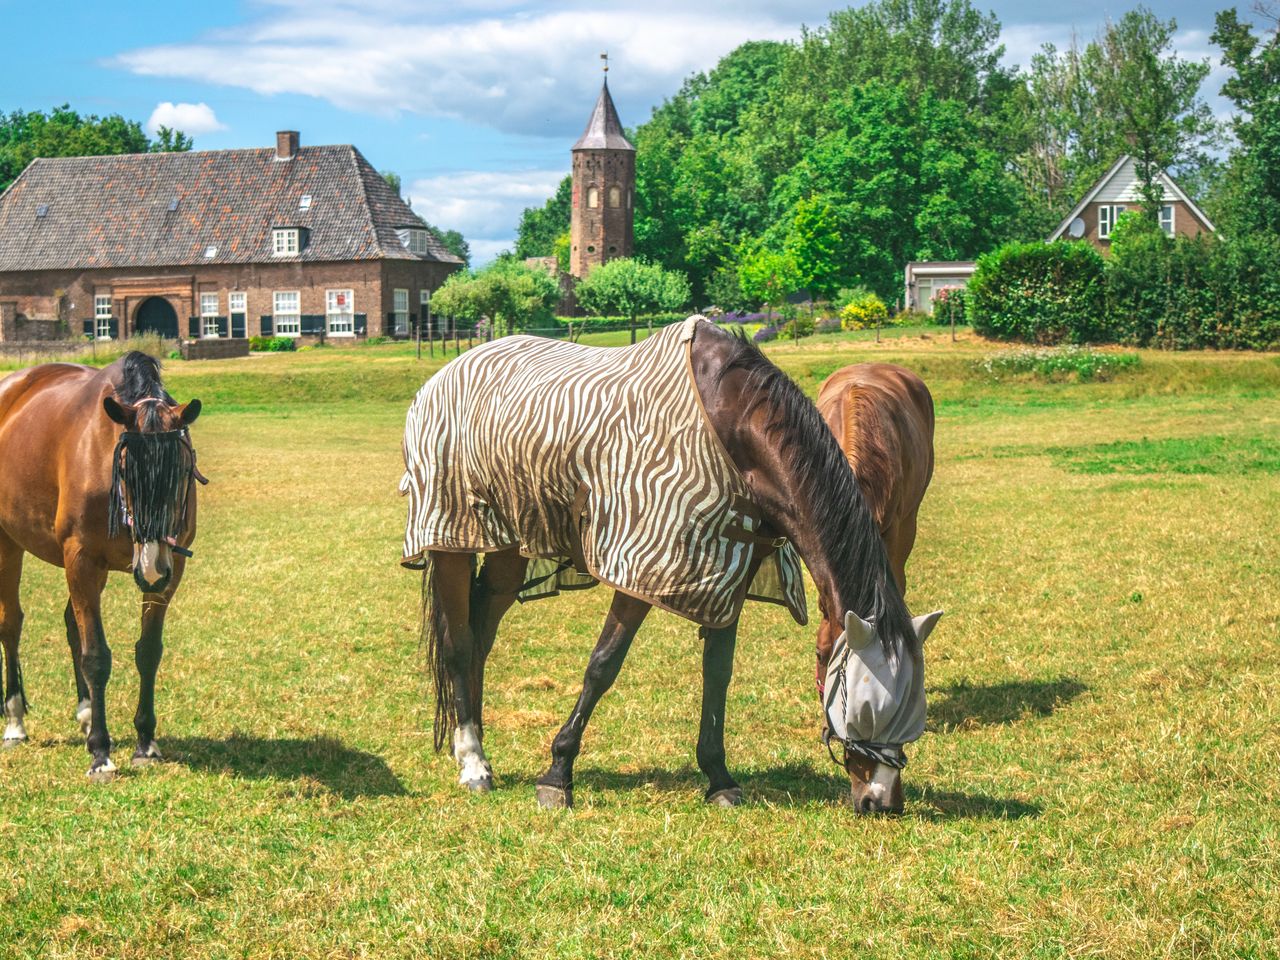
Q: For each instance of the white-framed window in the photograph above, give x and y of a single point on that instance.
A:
(238, 302)
(284, 242)
(102, 317)
(400, 307)
(414, 239)
(1108, 215)
(305, 202)
(286, 313)
(339, 313)
(1166, 219)
(208, 314)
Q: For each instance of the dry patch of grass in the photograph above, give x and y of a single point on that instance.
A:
(1098, 777)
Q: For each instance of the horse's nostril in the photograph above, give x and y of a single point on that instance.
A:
(868, 805)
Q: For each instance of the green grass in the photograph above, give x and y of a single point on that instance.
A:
(1099, 775)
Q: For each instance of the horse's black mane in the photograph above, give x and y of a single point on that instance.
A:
(845, 526)
(140, 380)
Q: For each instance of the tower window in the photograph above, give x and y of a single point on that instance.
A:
(615, 197)
(613, 249)
(591, 248)
(593, 196)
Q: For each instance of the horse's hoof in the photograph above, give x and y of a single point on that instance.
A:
(554, 798)
(10, 743)
(481, 785)
(145, 758)
(103, 772)
(728, 797)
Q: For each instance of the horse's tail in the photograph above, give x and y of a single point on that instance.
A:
(433, 638)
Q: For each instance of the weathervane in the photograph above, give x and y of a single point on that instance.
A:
(605, 58)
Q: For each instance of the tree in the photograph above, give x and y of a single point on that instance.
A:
(1253, 183)
(393, 181)
(539, 226)
(62, 132)
(513, 296)
(632, 287)
(768, 277)
(814, 242)
(1152, 95)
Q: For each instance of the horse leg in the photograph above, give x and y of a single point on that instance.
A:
(453, 583)
(15, 698)
(717, 670)
(555, 787)
(492, 594)
(82, 688)
(85, 579)
(146, 655)
(898, 541)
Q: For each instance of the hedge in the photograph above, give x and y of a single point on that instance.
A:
(1038, 292)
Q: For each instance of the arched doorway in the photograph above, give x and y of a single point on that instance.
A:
(156, 315)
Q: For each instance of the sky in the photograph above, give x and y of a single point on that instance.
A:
(475, 103)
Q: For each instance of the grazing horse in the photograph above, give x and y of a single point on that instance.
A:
(685, 472)
(97, 473)
(882, 417)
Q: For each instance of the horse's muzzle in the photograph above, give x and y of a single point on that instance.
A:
(152, 566)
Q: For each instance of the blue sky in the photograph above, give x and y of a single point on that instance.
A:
(474, 102)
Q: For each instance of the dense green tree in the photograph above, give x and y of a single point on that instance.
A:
(63, 132)
(540, 226)
(769, 277)
(1252, 184)
(632, 288)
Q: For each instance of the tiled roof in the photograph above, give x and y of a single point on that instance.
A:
(120, 211)
(604, 129)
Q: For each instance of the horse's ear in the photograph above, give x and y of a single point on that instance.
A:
(190, 412)
(115, 411)
(924, 625)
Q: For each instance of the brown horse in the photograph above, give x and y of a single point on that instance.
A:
(97, 473)
(882, 417)
(797, 478)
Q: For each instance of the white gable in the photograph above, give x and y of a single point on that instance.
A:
(1123, 185)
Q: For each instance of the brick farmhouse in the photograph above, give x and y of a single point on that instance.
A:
(292, 241)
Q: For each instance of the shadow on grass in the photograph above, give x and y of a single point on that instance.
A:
(965, 706)
(798, 785)
(324, 760)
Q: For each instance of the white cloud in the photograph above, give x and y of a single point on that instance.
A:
(192, 119)
(483, 206)
(511, 68)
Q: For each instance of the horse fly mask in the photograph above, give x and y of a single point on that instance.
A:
(874, 703)
(151, 477)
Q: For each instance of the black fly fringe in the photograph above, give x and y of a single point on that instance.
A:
(433, 637)
(150, 479)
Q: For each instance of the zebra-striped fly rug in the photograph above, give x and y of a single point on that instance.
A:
(598, 457)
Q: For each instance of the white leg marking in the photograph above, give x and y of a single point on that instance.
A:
(107, 767)
(881, 786)
(84, 715)
(153, 752)
(469, 753)
(14, 711)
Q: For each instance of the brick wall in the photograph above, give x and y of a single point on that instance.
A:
(34, 294)
(602, 232)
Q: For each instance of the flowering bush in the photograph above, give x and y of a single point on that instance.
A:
(1042, 292)
(1056, 363)
(765, 334)
(863, 310)
(949, 302)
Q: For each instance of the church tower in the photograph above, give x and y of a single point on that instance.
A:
(604, 187)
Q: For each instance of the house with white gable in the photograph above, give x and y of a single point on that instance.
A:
(1095, 216)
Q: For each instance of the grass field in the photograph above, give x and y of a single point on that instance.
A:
(1099, 776)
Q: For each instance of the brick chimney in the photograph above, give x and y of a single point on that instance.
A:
(286, 144)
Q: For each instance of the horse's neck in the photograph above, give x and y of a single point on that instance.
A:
(784, 484)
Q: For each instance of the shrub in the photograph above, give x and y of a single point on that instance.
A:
(801, 325)
(272, 344)
(1040, 292)
(1056, 363)
(829, 325)
(949, 301)
(863, 309)
(765, 334)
